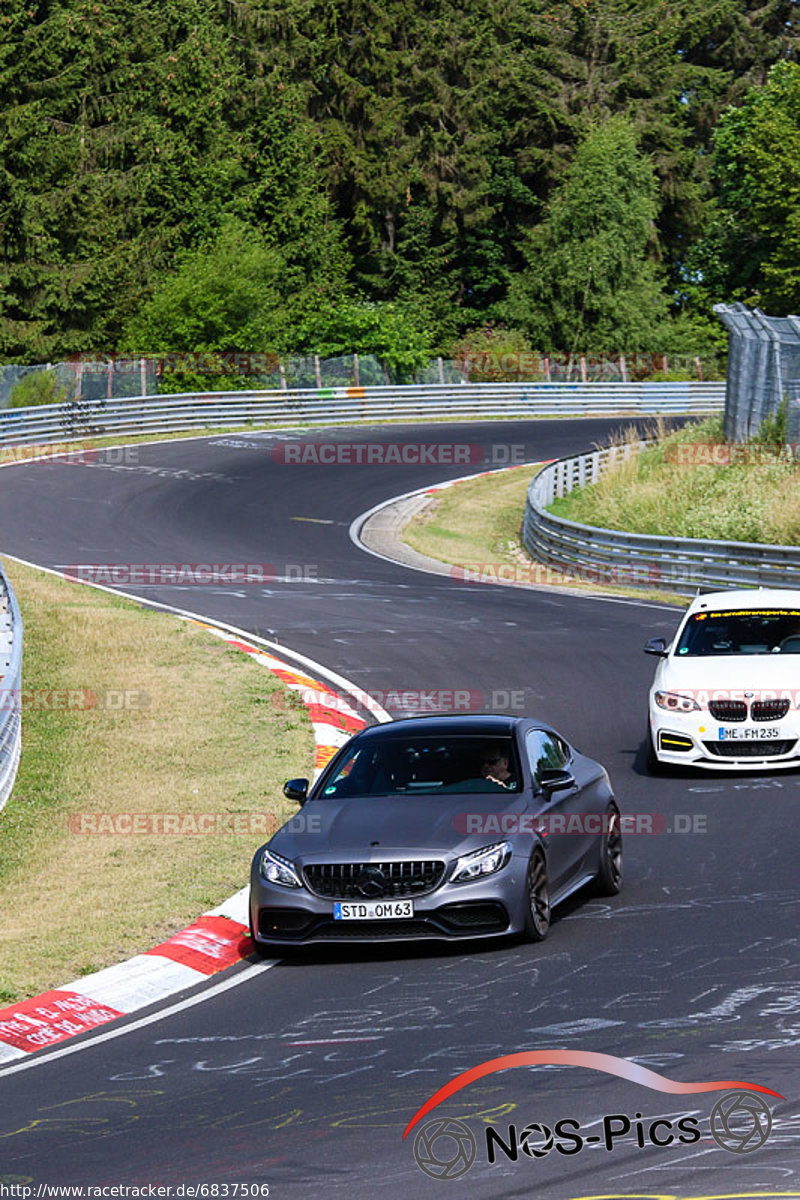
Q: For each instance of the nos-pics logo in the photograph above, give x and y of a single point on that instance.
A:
(446, 1148)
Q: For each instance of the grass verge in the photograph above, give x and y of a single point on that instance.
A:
(183, 724)
(476, 525)
(683, 487)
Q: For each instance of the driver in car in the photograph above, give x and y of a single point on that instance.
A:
(494, 767)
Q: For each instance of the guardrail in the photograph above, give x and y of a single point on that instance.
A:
(10, 687)
(331, 406)
(311, 406)
(675, 564)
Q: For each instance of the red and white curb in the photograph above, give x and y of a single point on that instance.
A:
(216, 940)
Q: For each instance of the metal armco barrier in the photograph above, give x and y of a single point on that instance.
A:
(330, 406)
(76, 420)
(10, 687)
(675, 564)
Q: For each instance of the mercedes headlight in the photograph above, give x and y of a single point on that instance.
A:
(276, 869)
(482, 862)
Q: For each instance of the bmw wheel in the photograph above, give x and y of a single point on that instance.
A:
(537, 890)
(652, 762)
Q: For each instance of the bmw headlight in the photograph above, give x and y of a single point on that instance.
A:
(482, 862)
(276, 869)
(675, 702)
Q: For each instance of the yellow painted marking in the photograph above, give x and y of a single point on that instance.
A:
(672, 1196)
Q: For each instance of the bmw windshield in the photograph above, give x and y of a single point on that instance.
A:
(751, 631)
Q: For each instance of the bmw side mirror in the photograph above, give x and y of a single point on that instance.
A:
(555, 779)
(656, 646)
(296, 789)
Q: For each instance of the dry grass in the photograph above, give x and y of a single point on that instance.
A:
(206, 731)
(746, 501)
(477, 521)
(477, 524)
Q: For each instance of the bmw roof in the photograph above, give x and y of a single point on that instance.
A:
(744, 598)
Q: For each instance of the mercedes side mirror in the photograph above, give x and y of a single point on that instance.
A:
(296, 789)
(555, 779)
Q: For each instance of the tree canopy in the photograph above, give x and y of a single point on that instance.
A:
(751, 250)
(375, 161)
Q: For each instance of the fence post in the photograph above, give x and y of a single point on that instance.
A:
(317, 371)
(282, 373)
(623, 368)
(441, 370)
(356, 379)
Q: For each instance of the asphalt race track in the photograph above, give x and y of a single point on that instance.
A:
(305, 1075)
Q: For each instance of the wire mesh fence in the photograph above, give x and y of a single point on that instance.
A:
(763, 371)
(112, 376)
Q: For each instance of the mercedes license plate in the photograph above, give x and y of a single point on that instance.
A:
(372, 910)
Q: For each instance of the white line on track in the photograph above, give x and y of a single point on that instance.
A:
(377, 710)
(207, 994)
(359, 521)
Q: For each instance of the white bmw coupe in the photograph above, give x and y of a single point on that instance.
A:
(726, 692)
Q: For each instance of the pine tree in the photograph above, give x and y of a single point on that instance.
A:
(591, 282)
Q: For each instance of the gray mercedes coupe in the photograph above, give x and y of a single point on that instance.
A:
(441, 827)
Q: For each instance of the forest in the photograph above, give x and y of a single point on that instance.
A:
(394, 178)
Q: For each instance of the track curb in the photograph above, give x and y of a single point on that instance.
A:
(216, 941)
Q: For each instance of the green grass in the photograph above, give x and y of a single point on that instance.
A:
(754, 499)
(477, 526)
(205, 731)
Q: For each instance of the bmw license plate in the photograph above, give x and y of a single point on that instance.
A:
(372, 910)
(744, 733)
